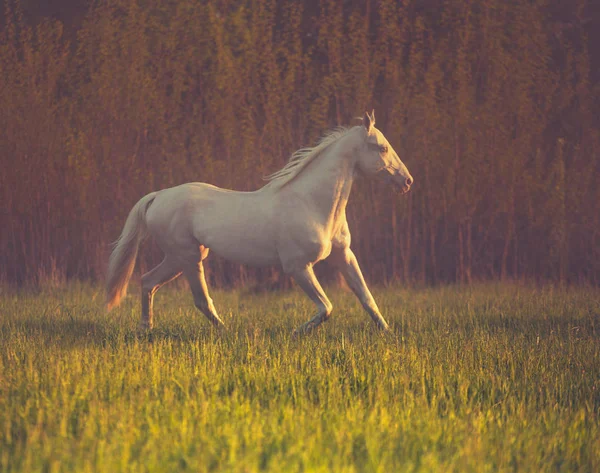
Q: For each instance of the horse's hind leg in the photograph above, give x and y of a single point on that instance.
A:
(151, 282)
(194, 273)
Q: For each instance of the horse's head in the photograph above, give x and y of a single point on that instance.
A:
(378, 158)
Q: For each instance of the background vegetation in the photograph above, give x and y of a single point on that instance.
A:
(489, 103)
(494, 378)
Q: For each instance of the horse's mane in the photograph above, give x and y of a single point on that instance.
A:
(301, 158)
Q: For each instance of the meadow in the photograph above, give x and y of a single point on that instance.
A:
(484, 378)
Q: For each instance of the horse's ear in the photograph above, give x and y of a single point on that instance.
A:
(368, 122)
(373, 116)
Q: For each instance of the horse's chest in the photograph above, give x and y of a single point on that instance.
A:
(316, 250)
(299, 246)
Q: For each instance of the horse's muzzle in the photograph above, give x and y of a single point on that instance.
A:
(401, 184)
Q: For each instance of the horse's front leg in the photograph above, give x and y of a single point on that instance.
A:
(307, 280)
(345, 261)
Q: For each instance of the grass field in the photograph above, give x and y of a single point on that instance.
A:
(472, 379)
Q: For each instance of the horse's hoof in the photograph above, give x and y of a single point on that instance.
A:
(381, 324)
(144, 327)
(304, 329)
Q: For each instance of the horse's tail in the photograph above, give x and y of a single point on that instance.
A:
(122, 259)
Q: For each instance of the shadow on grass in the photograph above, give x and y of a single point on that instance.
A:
(74, 333)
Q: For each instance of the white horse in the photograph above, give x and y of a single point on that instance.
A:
(296, 220)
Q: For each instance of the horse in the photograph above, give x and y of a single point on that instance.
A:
(296, 220)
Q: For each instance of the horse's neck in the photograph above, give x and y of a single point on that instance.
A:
(327, 181)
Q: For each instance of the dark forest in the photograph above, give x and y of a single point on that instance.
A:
(492, 105)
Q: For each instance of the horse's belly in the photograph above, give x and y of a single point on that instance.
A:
(242, 235)
(248, 255)
(244, 250)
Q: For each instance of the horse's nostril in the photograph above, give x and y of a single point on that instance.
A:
(409, 181)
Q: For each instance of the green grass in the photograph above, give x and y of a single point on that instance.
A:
(491, 378)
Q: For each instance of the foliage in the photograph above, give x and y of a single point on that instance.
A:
(490, 105)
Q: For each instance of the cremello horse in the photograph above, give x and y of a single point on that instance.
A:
(296, 220)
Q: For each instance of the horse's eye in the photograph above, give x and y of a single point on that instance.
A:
(383, 149)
